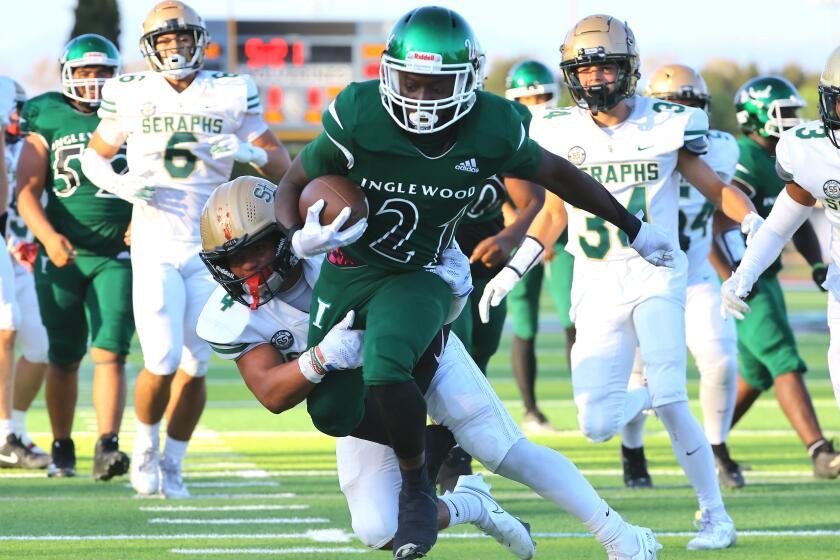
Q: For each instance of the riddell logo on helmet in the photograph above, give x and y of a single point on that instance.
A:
(424, 57)
(94, 55)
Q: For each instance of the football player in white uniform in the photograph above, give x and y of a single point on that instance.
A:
(637, 147)
(808, 160)
(711, 339)
(247, 255)
(31, 334)
(184, 128)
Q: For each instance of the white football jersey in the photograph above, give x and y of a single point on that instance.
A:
(168, 136)
(232, 329)
(695, 218)
(16, 230)
(636, 161)
(806, 156)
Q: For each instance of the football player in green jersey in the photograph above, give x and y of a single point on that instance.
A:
(534, 85)
(83, 272)
(418, 141)
(766, 106)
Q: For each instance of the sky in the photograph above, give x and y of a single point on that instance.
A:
(769, 32)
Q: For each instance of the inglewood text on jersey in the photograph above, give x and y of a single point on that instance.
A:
(399, 187)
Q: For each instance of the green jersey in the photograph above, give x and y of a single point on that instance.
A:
(93, 220)
(416, 200)
(756, 170)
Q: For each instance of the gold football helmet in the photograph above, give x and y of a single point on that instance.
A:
(829, 89)
(595, 40)
(238, 215)
(172, 16)
(675, 82)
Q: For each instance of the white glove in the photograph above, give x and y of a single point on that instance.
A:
(454, 269)
(224, 145)
(133, 188)
(496, 290)
(313, 238)
(654, 245)
(340, 349)
(733, 292)
(750, 225)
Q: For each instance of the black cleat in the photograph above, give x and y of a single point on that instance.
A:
(729, 472)
(417, 522)
(15, 455)
(826, 461)
(108, 460)
(457, 463)
(636, 473)
(63, 459)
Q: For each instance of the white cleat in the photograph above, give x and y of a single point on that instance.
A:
(716, 531)
(145, 477)
(171, 482)
(509, 531)
(646, 549)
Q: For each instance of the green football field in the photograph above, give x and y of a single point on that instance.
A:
(265, 485)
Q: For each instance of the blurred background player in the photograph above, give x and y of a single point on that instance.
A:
(534, 85)
(83, 271)
(638, 147)
(710, 338)
(31, 334)
(767, 106)
(184, 128)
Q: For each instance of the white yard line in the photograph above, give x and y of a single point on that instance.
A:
(262, 507)
(315, 535)
(238, 521)
(238, 551)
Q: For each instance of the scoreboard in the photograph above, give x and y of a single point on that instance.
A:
(298, 66)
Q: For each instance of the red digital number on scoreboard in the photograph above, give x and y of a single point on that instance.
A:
(274, 53)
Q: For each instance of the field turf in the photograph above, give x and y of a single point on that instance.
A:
(265, 485)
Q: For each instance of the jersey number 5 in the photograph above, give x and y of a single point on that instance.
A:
(604, 230)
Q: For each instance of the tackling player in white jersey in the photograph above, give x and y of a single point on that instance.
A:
(808, 160)
(268, 343)
(637, 147)
(31, 335)
(184, 128)
(711, 339)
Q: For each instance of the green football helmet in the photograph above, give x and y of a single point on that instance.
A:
(528, 78)
(768, 105)
(435, 41)
(87, 50)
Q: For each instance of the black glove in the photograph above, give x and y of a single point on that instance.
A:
(819, 272)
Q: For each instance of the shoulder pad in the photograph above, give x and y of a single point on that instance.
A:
(499, 126)
(222, 321)
(37, 106)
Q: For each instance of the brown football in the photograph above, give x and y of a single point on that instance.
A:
(338, 192)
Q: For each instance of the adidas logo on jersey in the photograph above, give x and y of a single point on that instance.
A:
(468, 165)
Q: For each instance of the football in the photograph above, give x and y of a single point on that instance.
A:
(338, 192)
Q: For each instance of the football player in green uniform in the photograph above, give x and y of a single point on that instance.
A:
(83, 271)
(766, 106)
(418, 141)
(534, 85)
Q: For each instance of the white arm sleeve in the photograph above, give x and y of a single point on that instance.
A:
(786, 217)
(252, 127)
(99, 170)
(111, 132)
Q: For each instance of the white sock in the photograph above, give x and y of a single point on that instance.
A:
(146, 435)
(5, 429)
(610, 528)
(463, 508)
(718, 391)
(19, 425)
(635, 401)
(633, 433)
(175, 449)
(693, 452)
(552, 476)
